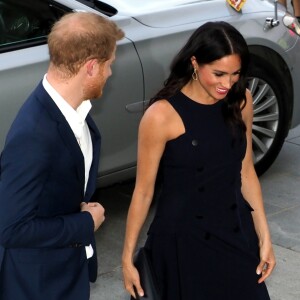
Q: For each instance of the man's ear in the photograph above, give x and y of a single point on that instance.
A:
(90, 66)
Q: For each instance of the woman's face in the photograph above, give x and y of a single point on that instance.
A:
(217, 78)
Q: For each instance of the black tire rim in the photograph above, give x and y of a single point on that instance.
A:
(265, 117)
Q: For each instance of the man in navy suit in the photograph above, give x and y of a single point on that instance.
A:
(49, 166)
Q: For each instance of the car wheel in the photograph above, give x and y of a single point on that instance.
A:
(270, 120)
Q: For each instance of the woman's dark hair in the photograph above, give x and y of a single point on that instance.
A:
(210, 42)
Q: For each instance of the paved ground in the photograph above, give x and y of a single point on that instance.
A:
(281, 188)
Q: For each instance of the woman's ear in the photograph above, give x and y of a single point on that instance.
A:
(194, 62)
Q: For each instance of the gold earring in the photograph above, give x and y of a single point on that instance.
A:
(195, 75)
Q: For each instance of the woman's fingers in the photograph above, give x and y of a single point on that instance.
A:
(265, 269)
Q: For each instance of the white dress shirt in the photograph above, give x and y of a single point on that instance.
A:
(76, 120)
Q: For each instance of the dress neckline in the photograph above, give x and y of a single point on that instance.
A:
(199, 103)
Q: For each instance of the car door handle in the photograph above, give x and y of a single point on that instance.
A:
(136, 107)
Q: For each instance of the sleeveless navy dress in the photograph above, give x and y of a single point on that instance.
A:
(202, 239)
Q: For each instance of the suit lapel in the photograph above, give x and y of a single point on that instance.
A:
(65, 131)
(96, 139)
(69, 139)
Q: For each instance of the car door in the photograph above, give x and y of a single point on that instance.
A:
(117, 114)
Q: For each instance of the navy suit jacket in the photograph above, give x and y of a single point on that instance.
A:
(42, 231)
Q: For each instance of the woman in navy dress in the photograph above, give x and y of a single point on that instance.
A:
(209, 239)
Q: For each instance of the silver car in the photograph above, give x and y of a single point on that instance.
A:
(155, 30)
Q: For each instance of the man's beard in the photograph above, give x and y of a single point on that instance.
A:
(93, 91)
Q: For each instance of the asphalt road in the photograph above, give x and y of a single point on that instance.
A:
(281, 189)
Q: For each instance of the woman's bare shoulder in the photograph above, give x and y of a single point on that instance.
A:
(160, 111)
(161, 116)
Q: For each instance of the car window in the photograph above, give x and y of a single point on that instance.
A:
(26, 23)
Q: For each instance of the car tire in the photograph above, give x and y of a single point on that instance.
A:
(271, 113)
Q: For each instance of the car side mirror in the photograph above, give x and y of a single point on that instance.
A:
(272, 22)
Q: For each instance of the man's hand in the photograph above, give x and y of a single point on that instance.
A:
(96, 210)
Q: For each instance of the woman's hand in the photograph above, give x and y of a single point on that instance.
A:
(132, 280)
(267, 261)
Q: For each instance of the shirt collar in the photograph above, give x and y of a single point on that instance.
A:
(75, 118)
